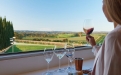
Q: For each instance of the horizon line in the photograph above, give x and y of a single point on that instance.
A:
(59, 31)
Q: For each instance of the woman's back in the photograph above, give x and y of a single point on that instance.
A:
(109, 55)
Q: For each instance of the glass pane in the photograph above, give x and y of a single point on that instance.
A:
(33, 25)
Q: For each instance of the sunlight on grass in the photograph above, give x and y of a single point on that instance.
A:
(23, 48)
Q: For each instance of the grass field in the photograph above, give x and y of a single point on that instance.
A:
(23, 48)
(64, 35)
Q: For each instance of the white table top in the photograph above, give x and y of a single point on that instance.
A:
(86, 65)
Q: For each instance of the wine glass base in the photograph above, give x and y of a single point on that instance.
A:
(48, 73)
(70, 69)
(60, 70)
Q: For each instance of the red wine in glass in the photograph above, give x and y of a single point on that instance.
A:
(88, 27)
(88, 31)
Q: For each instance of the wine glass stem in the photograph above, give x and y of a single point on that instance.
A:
(59, 63)
(70, 63)
(48, 67)
(86, 37)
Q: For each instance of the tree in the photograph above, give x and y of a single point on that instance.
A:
(6, 32)
(76, 34)
(18, 35)
(65, 40)
(1, 29)
(80, 34)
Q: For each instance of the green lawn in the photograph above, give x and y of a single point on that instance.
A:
(65, 35)
(23, 48)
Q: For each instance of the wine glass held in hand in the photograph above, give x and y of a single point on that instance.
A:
(88, 28)
(48, 55)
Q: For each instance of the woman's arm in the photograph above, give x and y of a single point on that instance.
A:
(95, 49)
(91, 40)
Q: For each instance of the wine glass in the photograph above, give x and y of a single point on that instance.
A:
(60, 52)
(88, 27)
(48, 55)
(70, 50)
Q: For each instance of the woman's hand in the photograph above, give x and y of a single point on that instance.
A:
(91, 40)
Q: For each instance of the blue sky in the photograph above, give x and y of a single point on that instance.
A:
(54, 15)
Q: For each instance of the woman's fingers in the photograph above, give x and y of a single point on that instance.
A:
(88, 37)
(91, 40)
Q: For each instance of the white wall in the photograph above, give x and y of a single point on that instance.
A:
(14, 66)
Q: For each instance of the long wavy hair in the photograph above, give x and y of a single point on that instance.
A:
(114, 10)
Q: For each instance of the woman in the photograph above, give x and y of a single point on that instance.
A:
(108, 56)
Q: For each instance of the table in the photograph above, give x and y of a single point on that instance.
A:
(86, 65)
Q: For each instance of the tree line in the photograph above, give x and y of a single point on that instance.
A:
(6, 32)
(56, 40)
(24, 34)
(21, 35)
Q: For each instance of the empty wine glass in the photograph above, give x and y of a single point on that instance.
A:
(48, 55)
(60, 52)
(88, 27)
(70, 50)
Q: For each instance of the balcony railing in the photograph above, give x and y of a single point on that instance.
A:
(24, 63)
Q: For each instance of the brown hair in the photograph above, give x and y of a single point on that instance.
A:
(114, 10)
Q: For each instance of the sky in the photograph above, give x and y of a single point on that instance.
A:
(54, 15)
